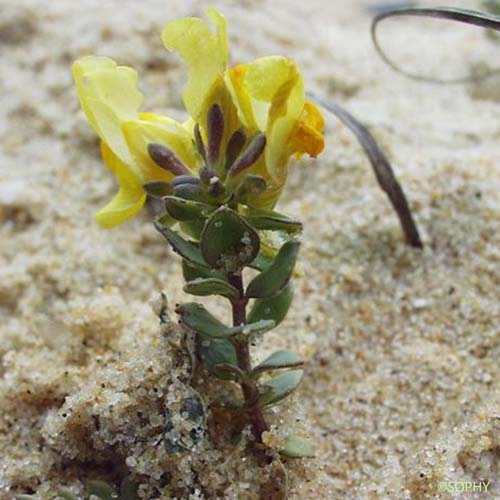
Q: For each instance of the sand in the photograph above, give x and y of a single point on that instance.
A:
(402, 378)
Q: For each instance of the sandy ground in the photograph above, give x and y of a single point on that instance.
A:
(402, 383)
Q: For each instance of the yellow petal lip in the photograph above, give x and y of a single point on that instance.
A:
(220, 23)
(308, 136)
(205, 53)
(109, 96)
(130, 198)
(151, 128)
(270, 98)
(120, 209)
(235, 80)
(270, 94)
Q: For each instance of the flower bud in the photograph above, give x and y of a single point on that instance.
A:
(215, 130)
(167, 159)
(249, 156)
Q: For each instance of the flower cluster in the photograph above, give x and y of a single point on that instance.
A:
(246, 122)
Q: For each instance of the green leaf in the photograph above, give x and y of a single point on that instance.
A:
(273, 221)
(275, 278)
(165, 220)
(184, 248)
(297, 447)
(280, 387)
(279, 359)
(211, 286)
(275, 308)
(217, 352)
(257, 328)
(261, 262)
(192, 272)
(186, 210)
(198, 319)
(227, 371)
(193, 228)
(228, 241)
(101, 489)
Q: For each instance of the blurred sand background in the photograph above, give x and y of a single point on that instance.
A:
(402, 387)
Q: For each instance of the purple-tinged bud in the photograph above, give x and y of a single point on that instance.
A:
(235, 146)
(199, 142)
(249, 156)
(185, 179)
(158, 189)
(167, 159)
(215, 132)
(215, 187)
(187, 187)
(206, 174)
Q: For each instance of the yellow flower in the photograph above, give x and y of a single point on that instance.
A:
(110, 99)
(256, 114)
(268, 95)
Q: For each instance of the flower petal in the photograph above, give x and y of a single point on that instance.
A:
(308, 134)
(273, 89)
(235, 80)
(153, 128)
(130, 198)
(206, 54)
(108, 96)
(286, 106)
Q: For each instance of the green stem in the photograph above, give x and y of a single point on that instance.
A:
(248, 386)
